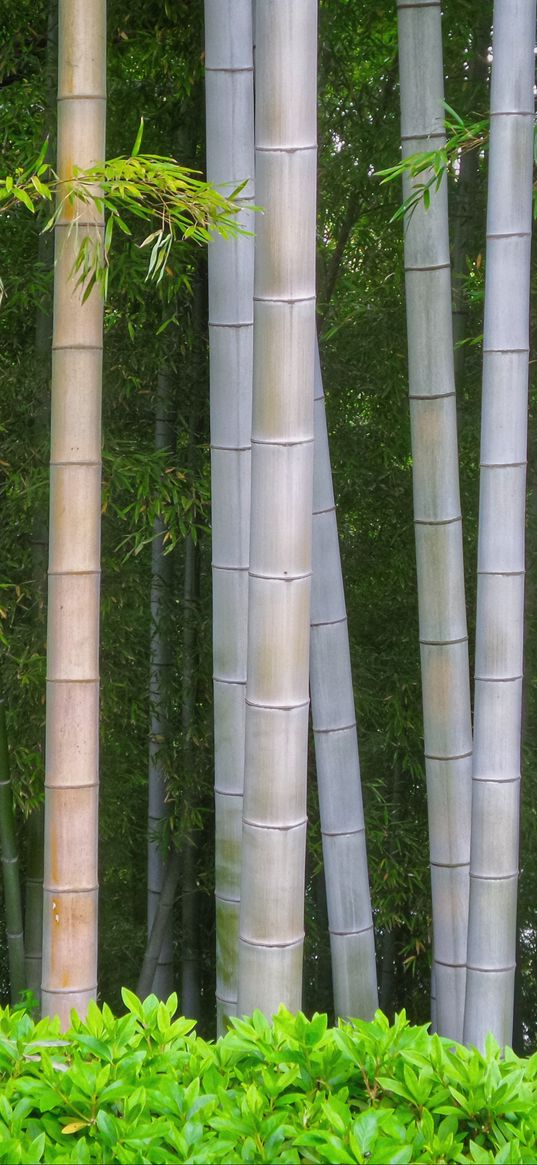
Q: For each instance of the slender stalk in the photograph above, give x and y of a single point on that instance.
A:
(71, 771)
(500, 564)
(161, 923)
(33, 913)
(190, 1001)
(10, 870)
(437, 516)
(161, 662)
(230, 161)
(350, 920)
(277, 697)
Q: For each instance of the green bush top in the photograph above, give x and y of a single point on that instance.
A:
(145, 1088)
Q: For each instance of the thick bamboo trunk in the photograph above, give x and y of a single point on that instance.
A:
(350, 921)
(500, 593)
(71, 774)
(437, 516)
(230, 161)
(277, 697)
(10, 870)
(161, 660)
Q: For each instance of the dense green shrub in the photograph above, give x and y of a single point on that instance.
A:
(144, 1088)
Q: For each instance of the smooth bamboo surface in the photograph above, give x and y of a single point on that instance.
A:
(500, 593)
(437, 516)
(277, 696)
(350, 920)
(161, 662)
(71, 771)
(230, 162)
(10, 870)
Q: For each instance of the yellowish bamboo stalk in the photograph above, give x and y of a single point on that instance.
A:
(71, 769)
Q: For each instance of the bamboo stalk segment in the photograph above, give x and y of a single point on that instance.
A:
(442, 616)
(10, 871)
(350, 919)
(71, 779)
(229, 94)
(272, 884)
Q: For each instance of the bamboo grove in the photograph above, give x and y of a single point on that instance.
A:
(200, 578)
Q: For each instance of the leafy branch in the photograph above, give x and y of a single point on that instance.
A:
(151, 188)
(461, 138)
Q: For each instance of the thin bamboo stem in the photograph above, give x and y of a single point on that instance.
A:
(350, 920)
(71, 769)
(437, 516)
(10, 870)
(500, 562)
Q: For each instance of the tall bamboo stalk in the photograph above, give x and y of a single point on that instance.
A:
(190, 993)
(350, 920)
(437, 516)
(500, 593)
(10, 870)
(277, 697)
(230, 161)
(71, 771)
(161, 662)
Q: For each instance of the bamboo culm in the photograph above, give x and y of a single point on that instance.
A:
(230, 161)
(500, 557)
(161, 663)
(71, 766)
(10, 870)
(437, 516)
(277, 693)
(350, 920)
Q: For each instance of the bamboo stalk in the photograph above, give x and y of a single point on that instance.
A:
(161, 923)
(277, 697)
(500, 592)
(33, 914)
(71, 770)
(159, 690)
(437, 516)
(190, 996)
(10, 870)
(350, 920)
(230, 161)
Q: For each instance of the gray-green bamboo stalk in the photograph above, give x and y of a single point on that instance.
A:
(161, 662)
(10, 870)
(33, 906)
(230, 161)
(190, 994)
(71, 769)
(277, 695)
(437, 516)
(350, 920)
(500, 594)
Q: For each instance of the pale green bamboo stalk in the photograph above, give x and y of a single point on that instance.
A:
(71, 771)
(33, 907)
(230, 161)
(500, 564)
(10, 870)
(350, 921)
(190, 995)
(437, 516)
(277, 696)
(161, 662)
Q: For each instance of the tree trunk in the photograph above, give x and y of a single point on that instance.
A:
(500, 564)
(161, 662)
(71, 775)
(10, 870)
(230, 161)
(437, 516)
(350, 921)
(277, 697)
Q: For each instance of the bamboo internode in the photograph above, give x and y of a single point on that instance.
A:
(277, 703)
(437, 515)
(71, 771)
(500, 593)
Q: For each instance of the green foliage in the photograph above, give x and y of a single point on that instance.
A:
(145, 1088)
